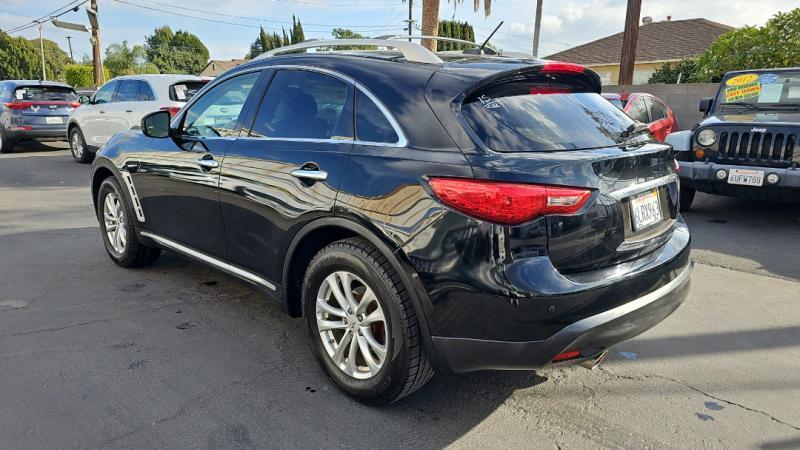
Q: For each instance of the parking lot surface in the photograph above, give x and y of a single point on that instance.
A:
(178, 355)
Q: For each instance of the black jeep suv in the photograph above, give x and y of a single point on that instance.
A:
(747, 144)
(422, 212)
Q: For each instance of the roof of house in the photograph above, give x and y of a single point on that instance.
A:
(667, 40)
(218, 66)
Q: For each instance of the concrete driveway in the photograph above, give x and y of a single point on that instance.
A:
(177, 355)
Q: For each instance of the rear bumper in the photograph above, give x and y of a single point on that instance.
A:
(701, 176)
(590, 335)
(49, 133)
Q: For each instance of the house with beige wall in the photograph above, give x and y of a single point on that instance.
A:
(667, 41)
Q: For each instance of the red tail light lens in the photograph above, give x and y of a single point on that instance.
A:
(547, 90)
(75, 104)
(18, 105)
(567, 355)
(562, 67)
(507, 203)
(172, 110)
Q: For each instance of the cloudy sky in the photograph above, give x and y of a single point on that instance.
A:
(565, 23)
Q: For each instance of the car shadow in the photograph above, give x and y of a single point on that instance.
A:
(744, 234)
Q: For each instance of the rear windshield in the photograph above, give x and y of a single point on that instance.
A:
(45, 94)
(546, 113)
(185, 90)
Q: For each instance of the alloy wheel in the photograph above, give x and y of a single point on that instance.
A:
(77, 145)
(114, 219)
(352, 325)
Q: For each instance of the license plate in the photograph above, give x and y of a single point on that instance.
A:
(53, 120)
(746, 177)
(645, 209)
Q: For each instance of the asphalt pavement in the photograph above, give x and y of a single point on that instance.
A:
(180, 356)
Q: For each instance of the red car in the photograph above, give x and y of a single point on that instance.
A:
(646, 108)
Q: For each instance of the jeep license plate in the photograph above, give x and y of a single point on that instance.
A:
(746, 177)
(645, 209)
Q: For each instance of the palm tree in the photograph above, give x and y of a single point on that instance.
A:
(430, 18)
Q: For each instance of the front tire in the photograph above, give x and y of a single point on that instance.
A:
(361, 323)
(6, 144)
(118, 227)
(77, 146)
(687, 197)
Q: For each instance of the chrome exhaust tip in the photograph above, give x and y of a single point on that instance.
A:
(592, 363)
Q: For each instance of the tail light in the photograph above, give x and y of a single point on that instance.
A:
(75, 104)
(507, 203)
(567, 355)
(17, 105)
(562, 67)
(172, 110)
(548, 90)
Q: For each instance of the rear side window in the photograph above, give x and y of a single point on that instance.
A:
(657, 109)
(544, 113)
(301, 104)
(45, 94)
(371, 124)
(638, 111)
(145, 92)
(185, 90)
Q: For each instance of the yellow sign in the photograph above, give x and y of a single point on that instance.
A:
(742, 87)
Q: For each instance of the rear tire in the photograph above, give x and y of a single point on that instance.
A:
(379, 317)
(6, 145)
(77, 146)
(687, 197)
(119, 229)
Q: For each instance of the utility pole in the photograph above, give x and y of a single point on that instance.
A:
(41, 47)
(629, 40)
(410, 17)
(537, 28)
(96, 61)
(69, 42)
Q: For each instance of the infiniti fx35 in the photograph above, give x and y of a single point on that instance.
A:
(467, 214)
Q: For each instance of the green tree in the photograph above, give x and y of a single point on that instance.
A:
(685, 70)
(456, 30)
(20, 58)
(345, 33)
(776, 44)
(296, 33)
(81, 75)
(179, 52)
(124, 60)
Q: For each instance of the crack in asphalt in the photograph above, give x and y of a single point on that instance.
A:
(90, 322)
(701, 262)
(700, 391)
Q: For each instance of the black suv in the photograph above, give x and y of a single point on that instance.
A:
(421, 211)
(747, 146)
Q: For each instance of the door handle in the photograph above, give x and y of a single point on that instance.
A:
(129, 110)
(102, 112)
(311, 175)
(208, 163)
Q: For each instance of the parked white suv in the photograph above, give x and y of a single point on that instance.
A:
(121, 103)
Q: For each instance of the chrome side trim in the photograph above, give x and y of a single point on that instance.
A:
(218, 263)
(137, 205)
(641, 187)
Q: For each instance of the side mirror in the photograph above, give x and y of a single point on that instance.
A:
(156, 124)
(705, 105)
(84, 99)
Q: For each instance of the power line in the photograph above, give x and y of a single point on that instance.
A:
(51, 15)
(16, 13)
(219, 21)
(256, 19)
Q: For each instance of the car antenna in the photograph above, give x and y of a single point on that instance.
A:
(480, 49)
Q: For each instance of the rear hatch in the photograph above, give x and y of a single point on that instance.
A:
(548, 125)
(182, 92)
(42, 106)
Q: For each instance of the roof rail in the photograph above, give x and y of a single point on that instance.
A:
(411, 50)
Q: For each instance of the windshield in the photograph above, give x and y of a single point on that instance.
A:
(524, 117)
(45, 94)
(757, 90)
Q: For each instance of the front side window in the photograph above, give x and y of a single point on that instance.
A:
(301, 104)
(217, 112)
(371, 124)
(106, 93)
(128, 91)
